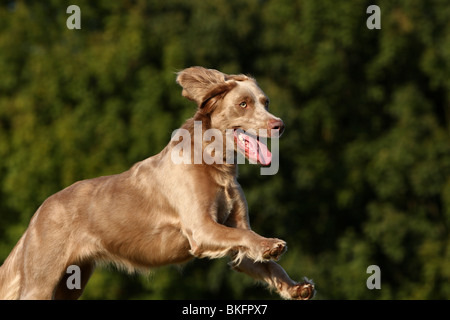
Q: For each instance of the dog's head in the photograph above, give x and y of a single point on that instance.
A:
(233, 102)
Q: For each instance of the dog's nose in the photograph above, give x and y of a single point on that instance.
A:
(276, 125)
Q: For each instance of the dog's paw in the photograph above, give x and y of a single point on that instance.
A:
(303, 290)
(273, 249)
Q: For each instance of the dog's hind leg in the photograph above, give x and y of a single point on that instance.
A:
(47, 251)
(40, 273)
(38, 283)
(50, 278)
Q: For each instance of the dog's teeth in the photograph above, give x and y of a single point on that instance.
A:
(241, 138)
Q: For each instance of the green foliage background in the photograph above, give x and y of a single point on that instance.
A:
(365, 160)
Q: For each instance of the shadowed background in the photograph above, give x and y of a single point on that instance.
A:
(364, 174)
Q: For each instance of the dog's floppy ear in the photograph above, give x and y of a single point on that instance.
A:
(201, 84)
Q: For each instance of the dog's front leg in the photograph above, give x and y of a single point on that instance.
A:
(274, 275)
(211, 239)
(270, 272)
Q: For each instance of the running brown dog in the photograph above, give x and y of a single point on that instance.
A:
(159, 212)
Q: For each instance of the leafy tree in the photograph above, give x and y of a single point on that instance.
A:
(365, 160)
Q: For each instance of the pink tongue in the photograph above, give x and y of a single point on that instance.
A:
(258, 151)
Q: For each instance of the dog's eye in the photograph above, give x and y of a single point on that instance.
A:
(243, 104)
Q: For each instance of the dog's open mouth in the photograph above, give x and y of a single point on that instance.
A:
(253, 149)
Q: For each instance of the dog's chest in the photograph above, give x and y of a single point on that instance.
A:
(224, 203)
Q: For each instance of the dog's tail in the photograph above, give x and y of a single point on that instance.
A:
(10, 273)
